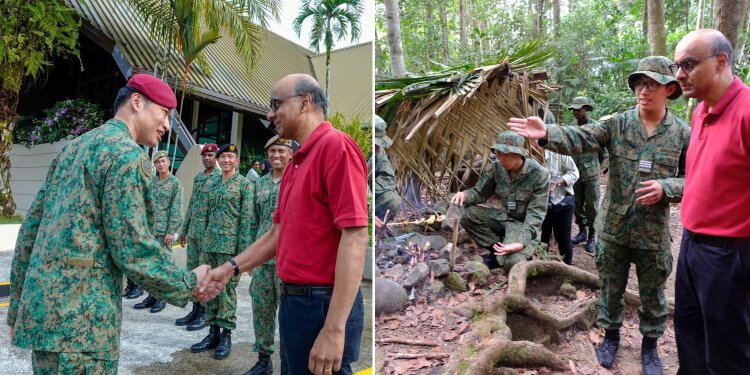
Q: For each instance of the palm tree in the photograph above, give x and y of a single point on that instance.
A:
(189, 26)
(331, 21)
(33, 32)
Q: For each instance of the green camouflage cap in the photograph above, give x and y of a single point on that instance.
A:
(381, 139)
(580, 101)
(658, 69)
(276, 140)
(510, 142)
(160, 154)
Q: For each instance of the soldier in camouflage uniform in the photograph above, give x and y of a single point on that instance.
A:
(231, 228)
(647, 147)
(91, 222)
(386, 196)
(265, 285)
(168, 208)
(587, 187)
(193, 227)
(522, 186)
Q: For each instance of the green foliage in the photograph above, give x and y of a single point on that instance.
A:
(360, 131)
(67, 119)
(331, 21)
(13, 219)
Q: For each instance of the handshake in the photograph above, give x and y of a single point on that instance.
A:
(210, 282)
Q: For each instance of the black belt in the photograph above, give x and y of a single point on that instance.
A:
(718, 241)
(306, 290)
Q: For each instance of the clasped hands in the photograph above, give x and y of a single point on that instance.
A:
(210, 282)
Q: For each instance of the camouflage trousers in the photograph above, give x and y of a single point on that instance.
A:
(222, 310)
(487, 226)
(587, 195)
(68, 363)
(387, 200)
(652, 268)
(265, 292)
(192, 253)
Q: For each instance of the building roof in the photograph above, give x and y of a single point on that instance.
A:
(351, 90)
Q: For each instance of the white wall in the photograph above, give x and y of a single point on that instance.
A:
(28, 169)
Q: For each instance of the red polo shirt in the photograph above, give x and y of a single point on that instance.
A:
(323, 190)
(716, 199)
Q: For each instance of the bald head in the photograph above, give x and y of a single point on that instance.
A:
(711, 39)
(705, 60)
(305, 84)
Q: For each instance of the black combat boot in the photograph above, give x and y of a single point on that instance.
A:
(146, 303)
(129, 287)
(199, 321)
(135, 290)
(581, 236)
(650, 357)
(591, 242)
(225, 345)
(264, 366)
(189, 317)
(208, 342)
(158, 306)
(490, 260)
(607, 350)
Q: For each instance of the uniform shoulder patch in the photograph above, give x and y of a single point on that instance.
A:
(607, 117)
(147, 167)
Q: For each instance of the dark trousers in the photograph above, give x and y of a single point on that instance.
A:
(712, 307)
(560, 220)
(300, 320)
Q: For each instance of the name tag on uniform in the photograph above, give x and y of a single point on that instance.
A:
(512, 205)
(645, 166)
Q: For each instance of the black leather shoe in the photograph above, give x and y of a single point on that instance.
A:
(591, 245)
(128, 288)
(490, 261)
(158, 306)
(264, 366)
(134, 293)
(209, 342)
(189, 317)
(199, 321)
(146, 303)
(606, 352)
(650, 361)
(582, 236)
(225, 345)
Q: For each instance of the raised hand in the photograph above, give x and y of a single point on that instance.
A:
(532, 127)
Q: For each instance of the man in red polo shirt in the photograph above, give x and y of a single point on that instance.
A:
(712, 287)
(319, 235)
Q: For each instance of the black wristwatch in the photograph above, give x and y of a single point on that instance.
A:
(235, 267)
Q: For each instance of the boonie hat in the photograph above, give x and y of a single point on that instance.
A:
(510, 142)
(658, 69)
(381, 138)
(154, 89)
(580, 101)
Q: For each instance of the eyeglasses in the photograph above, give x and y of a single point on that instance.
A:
(276, 101)
(650, 86)
(689, 63)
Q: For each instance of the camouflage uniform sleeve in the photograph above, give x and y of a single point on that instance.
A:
(673, 186)
(25, 245)
(175, 214)
(248, 220)
(189, 213)
(483, 189)
(536, 211)
(574, 140)
(132, 247)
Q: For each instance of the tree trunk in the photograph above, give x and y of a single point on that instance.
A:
(740, 50)
(699, 18)
(644, 24)
(728, 19)
(539, 19)
(556, 16)
(10, 85)
(444, 32)
(657, 35)
(429, 11)
(462, 22)
(393, 25)
(570, 6)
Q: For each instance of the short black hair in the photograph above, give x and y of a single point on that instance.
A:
(309, 86)
(123, 96)
(720, 44)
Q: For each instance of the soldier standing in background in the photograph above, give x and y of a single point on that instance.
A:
(168, 215)
(647, 148)
(386, 196)
(265, 285)
(90, 222)
(232, 229)
(193, 226)
(587, 187)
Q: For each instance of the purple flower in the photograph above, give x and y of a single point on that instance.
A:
(77, 131)
(49, 122)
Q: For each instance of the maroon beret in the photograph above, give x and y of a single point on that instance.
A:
(209, 147)
(154, 89)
